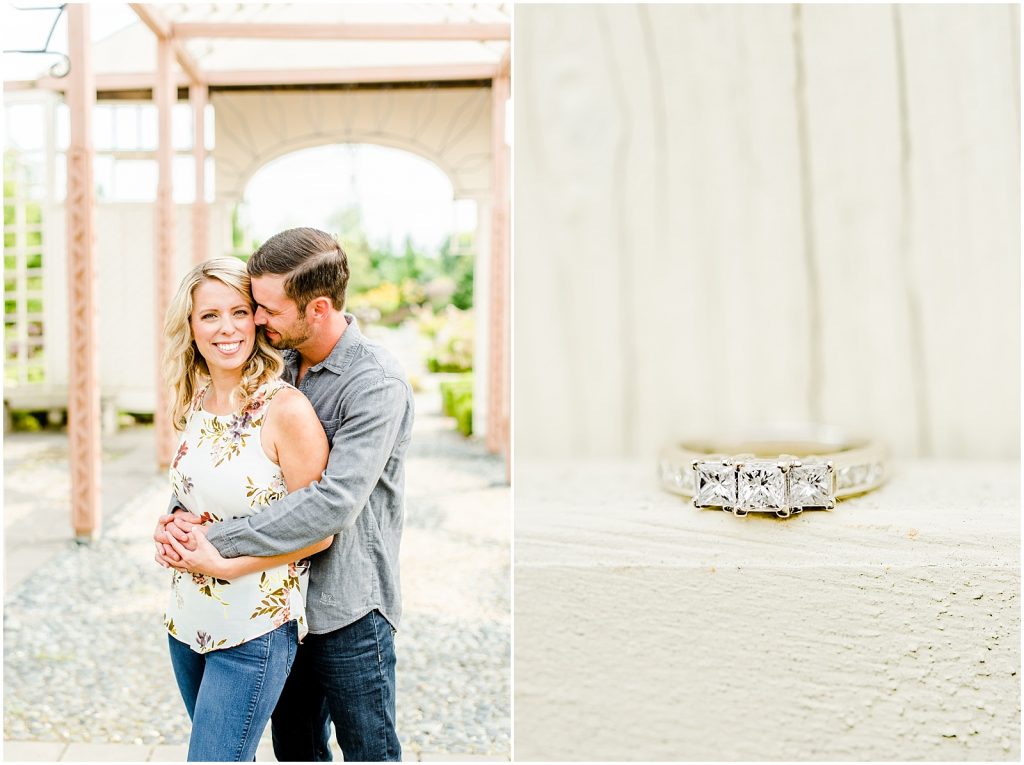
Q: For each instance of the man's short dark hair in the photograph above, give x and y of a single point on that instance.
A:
(313, 261)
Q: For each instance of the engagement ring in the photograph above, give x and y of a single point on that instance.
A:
(784, 472)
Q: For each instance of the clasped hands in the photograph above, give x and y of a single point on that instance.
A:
(181, 544)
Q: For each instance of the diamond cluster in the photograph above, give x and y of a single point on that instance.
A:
(679, 476)
(866, 475)
(764, 486)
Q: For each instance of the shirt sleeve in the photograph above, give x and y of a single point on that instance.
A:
(362, 446)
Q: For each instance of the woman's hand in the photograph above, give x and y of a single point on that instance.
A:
(177, 525)
(205, 559)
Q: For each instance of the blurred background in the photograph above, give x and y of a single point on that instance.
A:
(385, 143)
(142, 138)
(735, 215)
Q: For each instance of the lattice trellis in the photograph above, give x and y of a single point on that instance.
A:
(24, 345)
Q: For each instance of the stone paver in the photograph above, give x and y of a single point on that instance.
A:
(39, 751)
(168, 753)
(33, 751)
(265, 753)
(441, 757)
(77, 752)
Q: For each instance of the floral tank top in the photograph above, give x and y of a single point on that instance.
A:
(221, 472)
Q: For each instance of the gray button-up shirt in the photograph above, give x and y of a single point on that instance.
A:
(365, 405)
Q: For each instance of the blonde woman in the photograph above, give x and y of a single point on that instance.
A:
(247, 438)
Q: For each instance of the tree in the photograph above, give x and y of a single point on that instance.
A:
(347, 225)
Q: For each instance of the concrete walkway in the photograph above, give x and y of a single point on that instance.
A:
(112, 698)
(41, 751)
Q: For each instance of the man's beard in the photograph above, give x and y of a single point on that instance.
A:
(298, 333)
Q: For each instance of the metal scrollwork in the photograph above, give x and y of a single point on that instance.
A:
(58, 69)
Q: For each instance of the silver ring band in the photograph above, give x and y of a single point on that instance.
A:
(783, 471)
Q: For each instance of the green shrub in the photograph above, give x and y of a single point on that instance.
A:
(452, 389)
(457, 402)
(25, 422)
(452, 349)
(464, 414)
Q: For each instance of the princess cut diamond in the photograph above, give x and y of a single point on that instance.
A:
(811, 486)
(716, 485)
(762, 486)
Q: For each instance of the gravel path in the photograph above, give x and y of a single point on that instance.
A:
(85, 656)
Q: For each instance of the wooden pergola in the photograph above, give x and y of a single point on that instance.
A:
(81, 87)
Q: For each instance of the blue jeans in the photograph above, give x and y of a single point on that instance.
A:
(347, 676)
(230, 693)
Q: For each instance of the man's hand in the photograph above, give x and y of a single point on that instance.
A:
(177, 525)
(202, 557)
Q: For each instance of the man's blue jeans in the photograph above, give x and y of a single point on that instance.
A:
(230, 693)
(347, 676)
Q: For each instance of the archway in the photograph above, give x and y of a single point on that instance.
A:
(413, 248)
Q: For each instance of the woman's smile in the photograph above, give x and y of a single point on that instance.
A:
(222, 325)
(228, 349)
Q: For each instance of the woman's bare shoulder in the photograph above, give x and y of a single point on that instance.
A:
(289, 405)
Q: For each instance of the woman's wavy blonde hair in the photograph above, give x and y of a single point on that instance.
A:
(184, 368)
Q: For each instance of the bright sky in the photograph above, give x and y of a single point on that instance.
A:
(400, 195)
(27, 30)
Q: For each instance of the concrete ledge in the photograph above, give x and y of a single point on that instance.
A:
(887, 629)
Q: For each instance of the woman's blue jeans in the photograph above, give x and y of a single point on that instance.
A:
(231, 693)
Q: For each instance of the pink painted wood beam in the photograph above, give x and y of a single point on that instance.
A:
(164, 94)
(504, 67)
(252, 77)
(499, 387)
(83, 377)
(198, 96)
(357, 31)
(431, 73)
(159, 25)
(104, 82)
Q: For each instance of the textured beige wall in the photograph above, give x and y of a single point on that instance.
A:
(125, 242)
(736, 214)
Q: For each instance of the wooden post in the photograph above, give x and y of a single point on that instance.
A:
(498, 400)
(83, 376)
(198, 95)
(165, 94)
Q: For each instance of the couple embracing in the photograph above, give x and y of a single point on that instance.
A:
(288, 508)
